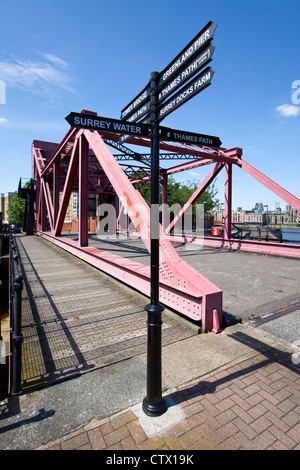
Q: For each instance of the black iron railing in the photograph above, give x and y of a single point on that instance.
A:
(16, 338)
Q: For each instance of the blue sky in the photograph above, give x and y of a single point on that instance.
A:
(63, 56)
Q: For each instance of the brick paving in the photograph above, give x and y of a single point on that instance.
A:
(253, 405)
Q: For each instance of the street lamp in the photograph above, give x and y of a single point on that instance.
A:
(205, 217)
(266, 205)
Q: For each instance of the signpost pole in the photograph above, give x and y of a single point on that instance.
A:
(154, 404)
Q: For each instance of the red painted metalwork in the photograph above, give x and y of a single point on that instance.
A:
(83, 163)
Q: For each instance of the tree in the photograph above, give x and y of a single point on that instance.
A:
(16, 209)
(179, 193)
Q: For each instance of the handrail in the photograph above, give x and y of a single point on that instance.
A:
(16, 287)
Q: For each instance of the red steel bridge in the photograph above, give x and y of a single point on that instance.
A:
(83, 163)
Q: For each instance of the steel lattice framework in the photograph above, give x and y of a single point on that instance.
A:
(83, 163)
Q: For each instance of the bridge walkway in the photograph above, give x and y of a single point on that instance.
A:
(76, 319)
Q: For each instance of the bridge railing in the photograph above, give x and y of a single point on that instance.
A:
(16, 338)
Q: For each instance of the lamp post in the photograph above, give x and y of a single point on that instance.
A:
(267, 237)
(205, 218)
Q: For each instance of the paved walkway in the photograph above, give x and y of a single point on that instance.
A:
(252, 404)
(236, 390)
(75, 319)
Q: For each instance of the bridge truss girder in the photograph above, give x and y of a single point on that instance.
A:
(83, 163)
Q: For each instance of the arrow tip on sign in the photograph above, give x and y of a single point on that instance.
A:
(69, 118)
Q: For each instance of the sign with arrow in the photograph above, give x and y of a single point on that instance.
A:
(202, 59)
(135, 103)
(175, 135)
(202, 81)
(181, 60)
(87, 121)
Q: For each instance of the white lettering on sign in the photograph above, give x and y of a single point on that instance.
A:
(140, 112)
(199, 83)
(191, 138)
(187, 72)
(100, 124)
(196, 139)
(97, 123)
(170, 87)
(184, 94)
(187, 54)
(187, 92)
(167, 108)
(195, 64)
(135, 103)
(124, 128)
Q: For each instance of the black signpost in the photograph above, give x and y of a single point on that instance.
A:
(151, 107)
(153, 403)
(141, 117)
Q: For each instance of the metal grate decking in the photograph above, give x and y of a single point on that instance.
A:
(75, 319)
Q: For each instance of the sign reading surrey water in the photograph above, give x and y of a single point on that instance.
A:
(87, 121)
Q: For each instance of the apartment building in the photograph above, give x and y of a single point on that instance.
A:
(4, 201)
(291, 216)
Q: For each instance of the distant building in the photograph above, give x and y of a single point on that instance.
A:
(259, 207)
(72, 212)
(256, 217)
(238, 217)
(4, 201)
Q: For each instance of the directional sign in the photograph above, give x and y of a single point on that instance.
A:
(87, 121)
(199, 83)
(202, 59)
(186, 55)
(135, 103)
(139, 113)
(199, 41)
(174, 135)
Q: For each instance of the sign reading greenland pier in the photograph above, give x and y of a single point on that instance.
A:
(197, 44)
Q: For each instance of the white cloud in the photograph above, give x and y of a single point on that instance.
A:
(41, 77)
(56, 60)
(288, 110)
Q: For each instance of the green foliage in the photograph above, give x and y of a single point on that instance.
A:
(179, 193)
(16, 209)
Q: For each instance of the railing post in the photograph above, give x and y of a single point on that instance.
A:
(0, 308)
(17, 336)
(16, 287)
